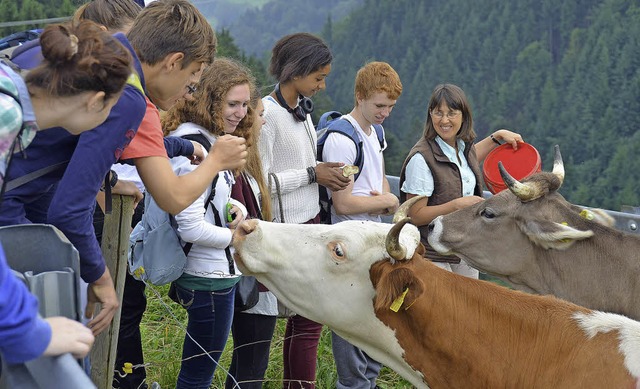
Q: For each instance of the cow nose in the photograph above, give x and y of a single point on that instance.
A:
(245, 228)
(430, 227)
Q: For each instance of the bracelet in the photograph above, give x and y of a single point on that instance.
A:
(495, 140)
(311, 171)
(112, 181)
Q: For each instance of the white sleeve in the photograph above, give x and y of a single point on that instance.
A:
(194, 228)
(339, 148)
(418, 177)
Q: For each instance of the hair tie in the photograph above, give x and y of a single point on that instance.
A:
(74, 46)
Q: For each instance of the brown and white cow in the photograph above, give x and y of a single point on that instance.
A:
(449, 331)
(531, 237)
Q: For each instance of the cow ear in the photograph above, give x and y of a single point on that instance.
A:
(551, 235)
(398, 288)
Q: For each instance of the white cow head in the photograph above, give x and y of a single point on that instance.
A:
(322, 273)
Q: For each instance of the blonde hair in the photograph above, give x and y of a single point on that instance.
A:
(254, 162)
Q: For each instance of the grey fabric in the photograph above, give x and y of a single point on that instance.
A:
(356, 370)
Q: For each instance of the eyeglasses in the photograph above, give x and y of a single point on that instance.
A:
(450, 115)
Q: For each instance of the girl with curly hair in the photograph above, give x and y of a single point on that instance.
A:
(206, 289)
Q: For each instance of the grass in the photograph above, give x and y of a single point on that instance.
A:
(162, 338)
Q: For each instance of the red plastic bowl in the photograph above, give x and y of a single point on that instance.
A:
(520, 163)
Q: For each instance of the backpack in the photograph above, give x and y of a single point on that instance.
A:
(14, 45)
(17, 141)
(156, 252)
(331, 122)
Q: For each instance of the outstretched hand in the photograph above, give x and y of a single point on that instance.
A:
(230, 152)
(507, 136)
(330, 175)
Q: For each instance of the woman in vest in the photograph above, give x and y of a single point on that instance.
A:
(444, 166)
(206, 288)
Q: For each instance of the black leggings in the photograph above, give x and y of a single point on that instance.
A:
(251, 341)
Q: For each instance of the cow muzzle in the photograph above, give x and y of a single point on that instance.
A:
(435, 230)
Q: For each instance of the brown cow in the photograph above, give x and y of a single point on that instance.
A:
(449, 331)
(531, 237)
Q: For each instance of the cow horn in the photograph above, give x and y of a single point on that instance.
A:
(395, 250)
(558, 165)
(403, 210)
(525, 192)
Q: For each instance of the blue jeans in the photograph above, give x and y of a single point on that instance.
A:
(356, 370)
(210, 315)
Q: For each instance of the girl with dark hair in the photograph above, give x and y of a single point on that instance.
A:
(444, 165)
(300, 63)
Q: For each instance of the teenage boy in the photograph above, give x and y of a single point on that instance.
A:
(170, 42)
(377, 87)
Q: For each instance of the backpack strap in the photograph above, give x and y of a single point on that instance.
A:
(380, 134)
(344, 127)
(327, 118)
(200, 138)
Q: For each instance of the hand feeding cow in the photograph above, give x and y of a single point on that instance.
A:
(531, 237)
(449, 331)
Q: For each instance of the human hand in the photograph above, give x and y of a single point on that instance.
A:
(230, 152)
(68, 336)
(101, 291)
(330, 175)
(466, 201)
(507, 136)
(128, 188)
(198, 153)
(236, 213)
(391, 203)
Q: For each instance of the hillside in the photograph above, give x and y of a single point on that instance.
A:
(258, 28)
(557, 72)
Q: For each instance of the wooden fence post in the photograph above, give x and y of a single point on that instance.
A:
(115, 245)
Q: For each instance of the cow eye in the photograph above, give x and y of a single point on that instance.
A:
(337, 249)
(487, 213)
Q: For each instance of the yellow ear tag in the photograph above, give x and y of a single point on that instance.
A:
(586, 214)
(128, 367)
(565, 240)
(139, 272)
(397, 303)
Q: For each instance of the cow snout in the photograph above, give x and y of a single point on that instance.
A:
(245, 228)
(435, 236)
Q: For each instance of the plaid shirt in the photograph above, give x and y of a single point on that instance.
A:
(11, 122)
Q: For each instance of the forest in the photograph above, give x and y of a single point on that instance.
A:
(565, 73)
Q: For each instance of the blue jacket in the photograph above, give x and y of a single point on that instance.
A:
(66, 198)
(23, 335)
